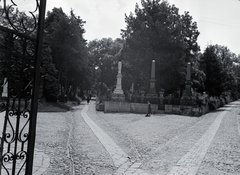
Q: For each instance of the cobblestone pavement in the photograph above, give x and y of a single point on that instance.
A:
(223, 155)
(83, 141)
(190, 162)
(186, 148)
(120, 159)
(71, 145)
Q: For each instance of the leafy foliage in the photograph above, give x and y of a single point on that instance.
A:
(68, 48)
(49, 74)
(157, 31)
(104, 55)
(221, 69)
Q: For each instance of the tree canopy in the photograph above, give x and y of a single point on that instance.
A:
(154, 31)
(220, 66)
(157, 31)
(68, 48)
(104, 55)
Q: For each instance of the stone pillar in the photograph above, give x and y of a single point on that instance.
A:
(187, 98)
(118, 94)
(5, 88)
(152, 80)
(132, 88)
(188, 91)
(152, 96)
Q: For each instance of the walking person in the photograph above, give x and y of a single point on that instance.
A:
(149, 109)
(88, 100)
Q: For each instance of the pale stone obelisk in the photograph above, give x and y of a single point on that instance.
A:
(118, 94)
(188, 91)
(5, 88)
(152, 95)
(187, 98)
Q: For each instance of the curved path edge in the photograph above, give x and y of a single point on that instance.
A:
(191, 161)
(119, 157)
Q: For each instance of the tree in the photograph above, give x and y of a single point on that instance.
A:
(68, 49)
(211, 66)
(49, 74)
(104, 55)
(221, 68)
(226, 57)
(198, 75)
(157, 31)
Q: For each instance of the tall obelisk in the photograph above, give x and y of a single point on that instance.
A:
(187, 98)
(5, 88)
(188, 91)
(118, 94)
(152, 95)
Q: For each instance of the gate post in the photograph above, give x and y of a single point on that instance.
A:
(34, 105)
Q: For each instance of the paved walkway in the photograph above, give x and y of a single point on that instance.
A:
(190, 162)
(40, 163)
(120, 159)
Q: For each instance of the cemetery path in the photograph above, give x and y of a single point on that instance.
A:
(123, 163)
(72, 147)
(170, 144)
(160, 144)
(192, 160)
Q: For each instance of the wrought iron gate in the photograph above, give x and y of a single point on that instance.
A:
(20, 57)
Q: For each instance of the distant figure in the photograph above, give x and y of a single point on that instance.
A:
(149, 109)
(88, 100)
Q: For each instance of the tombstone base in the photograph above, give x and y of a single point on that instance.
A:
(118, 97)
(188, 100)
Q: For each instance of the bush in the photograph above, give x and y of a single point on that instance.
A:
(51, 98)
(62, 98)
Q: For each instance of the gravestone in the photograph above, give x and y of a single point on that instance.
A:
(118, 94)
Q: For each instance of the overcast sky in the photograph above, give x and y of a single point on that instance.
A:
(218, 20)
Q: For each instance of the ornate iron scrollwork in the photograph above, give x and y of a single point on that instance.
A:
(25, 23)
(20, 42)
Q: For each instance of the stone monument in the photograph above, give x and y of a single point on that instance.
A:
(188, 91)
(118, 94)
(187, 98)
(152, 96)
(5, 88)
